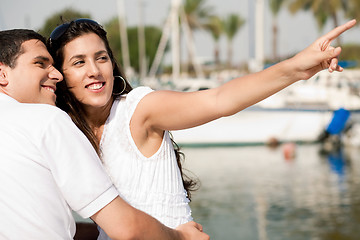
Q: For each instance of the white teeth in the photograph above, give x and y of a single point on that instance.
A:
(95, 86)
(50, 89)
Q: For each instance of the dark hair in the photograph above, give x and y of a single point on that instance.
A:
(11, 41)
(67, 101)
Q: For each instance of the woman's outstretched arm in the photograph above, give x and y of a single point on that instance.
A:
(169, 110)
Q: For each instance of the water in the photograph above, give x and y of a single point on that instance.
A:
(254, 193)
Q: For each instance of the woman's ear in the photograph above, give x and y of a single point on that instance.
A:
(3, 75)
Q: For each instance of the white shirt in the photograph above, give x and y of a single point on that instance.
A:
(151, 184)
(47, 168)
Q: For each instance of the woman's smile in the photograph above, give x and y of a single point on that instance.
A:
(95, 86)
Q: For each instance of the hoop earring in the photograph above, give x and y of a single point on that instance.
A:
(124, 86)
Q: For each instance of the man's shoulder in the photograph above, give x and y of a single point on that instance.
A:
(34, 121)
(43, 107)
(43, 110)
(40, 113)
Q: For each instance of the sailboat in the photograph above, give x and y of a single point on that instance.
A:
(297, 114)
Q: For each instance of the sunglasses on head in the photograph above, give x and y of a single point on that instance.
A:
(60, 30)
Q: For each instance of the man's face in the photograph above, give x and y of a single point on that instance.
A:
(33, 80)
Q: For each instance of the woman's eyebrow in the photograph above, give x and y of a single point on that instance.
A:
(100, 52)
(77, 56)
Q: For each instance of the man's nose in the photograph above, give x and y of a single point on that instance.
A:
(55, 74)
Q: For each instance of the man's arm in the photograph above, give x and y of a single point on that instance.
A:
(121, 221)
(88, 189)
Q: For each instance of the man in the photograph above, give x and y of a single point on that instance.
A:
(47, 166)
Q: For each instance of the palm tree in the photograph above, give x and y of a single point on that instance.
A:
(196, 13)
(321, 18)
(231, 24)
(152, 34)
(354, 9)
(275, 7)
(215, 27)
(322, 10)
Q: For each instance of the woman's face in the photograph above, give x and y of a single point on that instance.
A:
(88, 71)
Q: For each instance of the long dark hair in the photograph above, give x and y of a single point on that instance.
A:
(67, 101)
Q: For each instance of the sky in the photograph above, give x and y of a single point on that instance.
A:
(296, 32)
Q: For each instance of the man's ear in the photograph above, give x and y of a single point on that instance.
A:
(3, 75)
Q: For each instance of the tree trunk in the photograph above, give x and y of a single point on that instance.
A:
(217, 55)
(274, 40)
(336, 23)
(229, 54)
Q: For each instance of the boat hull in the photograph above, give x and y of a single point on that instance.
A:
(260, 126)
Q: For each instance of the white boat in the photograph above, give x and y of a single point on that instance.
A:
(324, 91)
(257, 126)
(299, 113)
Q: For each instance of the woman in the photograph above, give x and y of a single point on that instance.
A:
(129, 128)
(101, 105)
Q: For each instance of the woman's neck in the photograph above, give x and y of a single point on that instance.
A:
(96, 118)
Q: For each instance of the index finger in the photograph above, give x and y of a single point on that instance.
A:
(339, 30)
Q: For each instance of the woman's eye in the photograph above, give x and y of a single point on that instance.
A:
(104, 58)
(78, 62)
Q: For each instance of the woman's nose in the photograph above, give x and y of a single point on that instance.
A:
(93, 69)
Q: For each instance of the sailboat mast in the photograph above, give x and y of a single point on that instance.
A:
(190, 44)
(175, 39)
(172, 30)
(256, 35)
(259, 33)
(141, 37)
(124, 38)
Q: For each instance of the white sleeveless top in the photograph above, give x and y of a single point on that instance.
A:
(152, 184)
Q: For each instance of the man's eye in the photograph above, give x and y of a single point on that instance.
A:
(41, 64)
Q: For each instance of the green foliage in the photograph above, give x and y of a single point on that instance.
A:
(113, 35)
(60, 17)
(276, 5)
(350, 52)
(215, 27)
(353, 9)
(152, 35)
(231, 24)
(197, 13)
(152, 39)
(322, 9)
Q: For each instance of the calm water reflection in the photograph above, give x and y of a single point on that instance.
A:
(254, 193)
